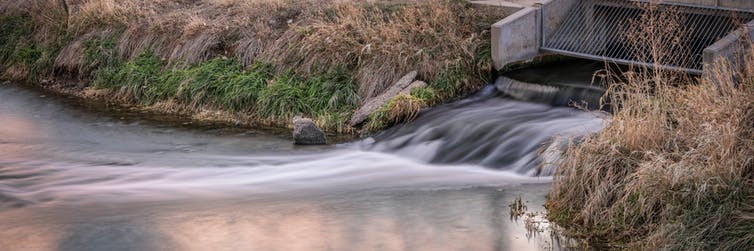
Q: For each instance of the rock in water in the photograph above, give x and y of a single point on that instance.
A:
(305, 132)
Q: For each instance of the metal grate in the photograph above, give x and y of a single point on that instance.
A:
(602, 30)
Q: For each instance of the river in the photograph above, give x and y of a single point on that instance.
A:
(77, 177)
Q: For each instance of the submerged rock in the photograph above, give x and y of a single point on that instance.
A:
(305, 132)
(374, 104)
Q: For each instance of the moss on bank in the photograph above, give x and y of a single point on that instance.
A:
(264, 61)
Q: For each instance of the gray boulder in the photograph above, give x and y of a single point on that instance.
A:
(305, 132)
(414, 85)
(374, 104)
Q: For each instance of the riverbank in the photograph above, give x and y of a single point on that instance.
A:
(673, 170)
(257, 63)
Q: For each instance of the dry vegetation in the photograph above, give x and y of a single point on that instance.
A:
(135, 47)
(674, 169)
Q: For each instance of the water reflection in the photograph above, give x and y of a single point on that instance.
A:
(462, 219)
(73, 179)
(17, 132)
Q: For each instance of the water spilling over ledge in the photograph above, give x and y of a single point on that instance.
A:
(69, 176)
(490, 130)
(52, 153)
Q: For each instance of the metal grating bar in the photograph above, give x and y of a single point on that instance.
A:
(599, 29)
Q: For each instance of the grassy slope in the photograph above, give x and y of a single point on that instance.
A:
(673, 170)
(263, 60)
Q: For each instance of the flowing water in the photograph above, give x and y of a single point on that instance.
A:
(79, 178)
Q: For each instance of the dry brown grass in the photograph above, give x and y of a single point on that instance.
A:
(674, 169)
(383, 45)
(676, 172)
(377, 42)
(401, 108)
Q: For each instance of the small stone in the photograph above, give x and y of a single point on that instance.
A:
(305, 132)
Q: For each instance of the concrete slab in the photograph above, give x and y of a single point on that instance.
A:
(694, 2)
(737, 4)
(728, 48)
(516, 38)
(507, 3)
(733, 4)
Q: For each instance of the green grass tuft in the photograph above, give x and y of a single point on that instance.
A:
(225, 84)
(289, 95)
(99, 53)
(221, 83)
(426, 94)
(12, 30)
(136, 79)
(401, 108)
(284, 97)
(452, 82)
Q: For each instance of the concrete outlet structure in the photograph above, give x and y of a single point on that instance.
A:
(521, 37)
(516, 38)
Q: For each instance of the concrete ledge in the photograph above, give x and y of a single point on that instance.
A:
(738, 4)
(516, 37)
(728, 48)
(694, 2)
(734, 4)
(502, 3)
(555, 12)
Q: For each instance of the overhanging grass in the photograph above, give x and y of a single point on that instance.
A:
(289, 95)
(220, 83)
(225, 84)
(17, 54)
(12, 31)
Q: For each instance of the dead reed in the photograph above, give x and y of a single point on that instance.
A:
(375, 42)
(674, 169)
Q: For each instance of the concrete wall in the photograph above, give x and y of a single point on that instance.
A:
(555, 12)
(694, 2)
(516, 38)
(728, 48)
(735, 4)
(739, 4)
